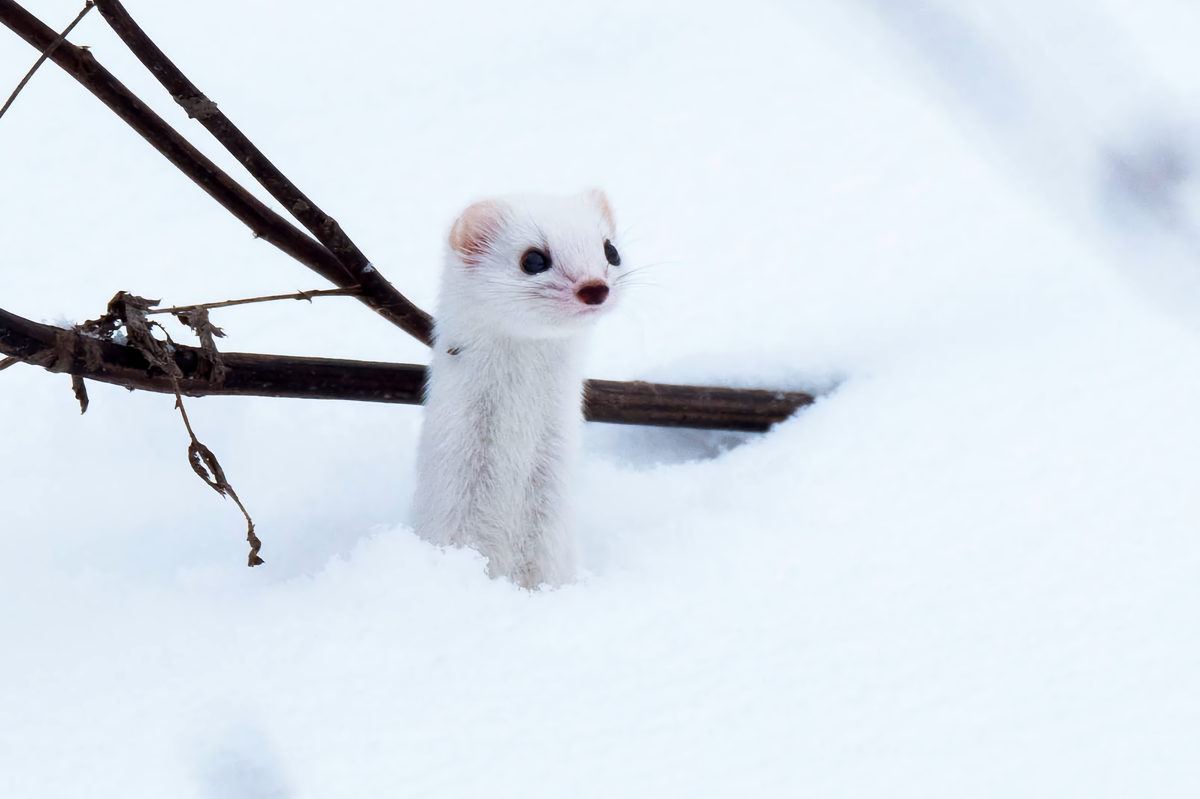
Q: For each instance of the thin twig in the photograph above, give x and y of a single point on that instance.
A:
(350, 291)
(86, 8)
(7, 362)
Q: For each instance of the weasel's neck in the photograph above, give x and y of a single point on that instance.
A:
(530, 375)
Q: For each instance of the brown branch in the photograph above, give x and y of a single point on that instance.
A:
(377, 291)
(655, 404)
(86, 8)
(701, 407)
(266, 224)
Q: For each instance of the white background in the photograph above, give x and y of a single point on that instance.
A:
(969, 571)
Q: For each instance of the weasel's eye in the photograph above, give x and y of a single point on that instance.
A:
(610, 252)
(534, 262)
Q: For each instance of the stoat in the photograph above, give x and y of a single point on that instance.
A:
(524, 279)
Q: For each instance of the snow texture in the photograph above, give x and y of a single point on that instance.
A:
(970, 570)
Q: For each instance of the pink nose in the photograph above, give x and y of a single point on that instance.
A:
(592, 293)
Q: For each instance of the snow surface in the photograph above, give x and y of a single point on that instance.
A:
(969, 571)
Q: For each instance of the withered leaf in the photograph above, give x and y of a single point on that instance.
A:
(80, 393)
(197, 319)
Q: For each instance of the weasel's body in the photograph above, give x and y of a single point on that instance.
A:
(524, 279)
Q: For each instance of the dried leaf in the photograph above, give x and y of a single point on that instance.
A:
(204, 463)
(80, 393)
(61, 358)
(137, 330)
(197, 319)
(255, 545)
(106, 325)
(91, 352)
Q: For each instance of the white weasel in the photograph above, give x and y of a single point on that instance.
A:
(525, 277)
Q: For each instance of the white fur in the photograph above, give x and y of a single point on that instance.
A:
(502, 412)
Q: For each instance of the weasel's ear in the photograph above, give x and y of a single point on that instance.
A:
(476, 229)
(600, 200)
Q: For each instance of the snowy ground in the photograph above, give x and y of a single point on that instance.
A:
(969, 571)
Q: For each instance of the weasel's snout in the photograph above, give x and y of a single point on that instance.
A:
(592, 293)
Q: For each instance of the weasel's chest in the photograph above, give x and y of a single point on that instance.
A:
(517, 403)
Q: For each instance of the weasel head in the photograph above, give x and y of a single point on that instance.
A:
(531, 266)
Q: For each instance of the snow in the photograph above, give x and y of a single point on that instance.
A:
(968, 570)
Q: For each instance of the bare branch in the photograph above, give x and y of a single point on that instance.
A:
(702, 407)
(86, 8)
(377, 291)
(246, 374)
(265, 223)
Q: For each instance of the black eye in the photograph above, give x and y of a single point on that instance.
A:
(610, 252)
(534, 262)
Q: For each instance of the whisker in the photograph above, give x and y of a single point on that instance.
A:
(625, 231)
(622, 279)
(647, 266)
